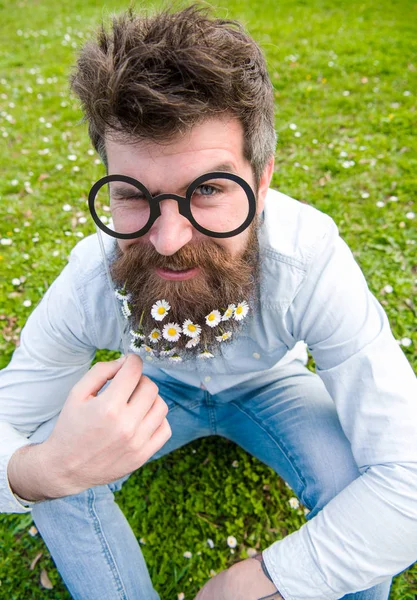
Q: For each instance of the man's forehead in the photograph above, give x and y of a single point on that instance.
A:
(219, 134)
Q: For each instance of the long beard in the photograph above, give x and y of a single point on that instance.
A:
(222, 280)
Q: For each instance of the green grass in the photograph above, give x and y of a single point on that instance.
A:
(317, 50)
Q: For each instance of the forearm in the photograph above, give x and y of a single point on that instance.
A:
(275, 595)
(32, 477)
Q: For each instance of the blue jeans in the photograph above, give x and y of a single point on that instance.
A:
(286, 419)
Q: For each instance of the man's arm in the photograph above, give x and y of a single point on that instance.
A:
(57, 345)
(368, 532)
(275, 595)
(245, 580)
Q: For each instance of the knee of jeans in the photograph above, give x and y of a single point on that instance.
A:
(327, 483)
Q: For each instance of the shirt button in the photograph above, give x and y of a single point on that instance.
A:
(207, 378)
(256, 355)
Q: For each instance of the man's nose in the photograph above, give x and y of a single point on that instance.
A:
(171, 231)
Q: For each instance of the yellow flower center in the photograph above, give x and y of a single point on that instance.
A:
(172, 331)
(155, 335)
(192, 327)
(211, 317)
(239, 310)
(161, 310)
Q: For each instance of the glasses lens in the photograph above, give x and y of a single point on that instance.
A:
(219, 205)
(122, 207)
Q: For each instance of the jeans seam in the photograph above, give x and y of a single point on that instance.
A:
(176, 405)
(280, 444)
(211, 412)
(105, 546)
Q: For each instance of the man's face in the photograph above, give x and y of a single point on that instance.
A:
(219, 271)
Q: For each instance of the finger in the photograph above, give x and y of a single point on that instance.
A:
(96, 377)
(125, 381)
(154, 417)
(143, 398)
(158, 439)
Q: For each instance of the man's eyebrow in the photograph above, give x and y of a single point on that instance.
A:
(126, 191)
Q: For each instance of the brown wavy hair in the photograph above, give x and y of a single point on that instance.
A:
(155, 76)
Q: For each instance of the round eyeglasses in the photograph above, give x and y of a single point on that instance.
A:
(217, 204)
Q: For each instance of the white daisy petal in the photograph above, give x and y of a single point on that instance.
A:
(193, 342)
(147, 349)
(228, 312)
(126, 309)
(225, 336)
(175, 358)
(213, 318)
(168, 351)
(241, 311)
(137, 334)
(154, 336)
(122, 295)
(135, 345)
(191, 329)
(206, 354)
(160, 309)
(172, 332)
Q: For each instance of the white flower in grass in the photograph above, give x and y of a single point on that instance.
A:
(191, 329)
(231, 541)
(193, 342)
(241, 311)
(228, 312)
(160, 310)
(225, 336)
(137, 334)
(213, 318)
(148, 349)
(187, 554)
(294, 503)
(154, 336)
(175, 358)
(206, 354)
(126, 309)
(172, 332)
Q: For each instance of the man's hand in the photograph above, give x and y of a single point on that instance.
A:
(246, 580)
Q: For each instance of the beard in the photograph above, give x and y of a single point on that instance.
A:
(222, 280)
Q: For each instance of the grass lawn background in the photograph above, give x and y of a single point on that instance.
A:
(345, 87)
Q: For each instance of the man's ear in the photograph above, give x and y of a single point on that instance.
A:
(264, 183)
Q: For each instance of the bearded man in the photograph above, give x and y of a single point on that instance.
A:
(214, 284)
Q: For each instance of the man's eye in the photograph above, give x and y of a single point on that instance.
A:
(207, 190)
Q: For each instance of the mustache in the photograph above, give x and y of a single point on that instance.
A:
(205, 255)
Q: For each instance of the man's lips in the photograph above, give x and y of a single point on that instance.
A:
(177, 275)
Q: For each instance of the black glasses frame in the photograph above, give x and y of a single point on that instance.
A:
(183, 204)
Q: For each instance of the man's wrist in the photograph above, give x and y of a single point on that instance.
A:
(259, 558)
(31, 478)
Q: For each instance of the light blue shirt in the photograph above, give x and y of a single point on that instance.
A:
(312, 294)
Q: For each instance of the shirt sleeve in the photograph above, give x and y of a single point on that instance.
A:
(57, 346)
(368, 532)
